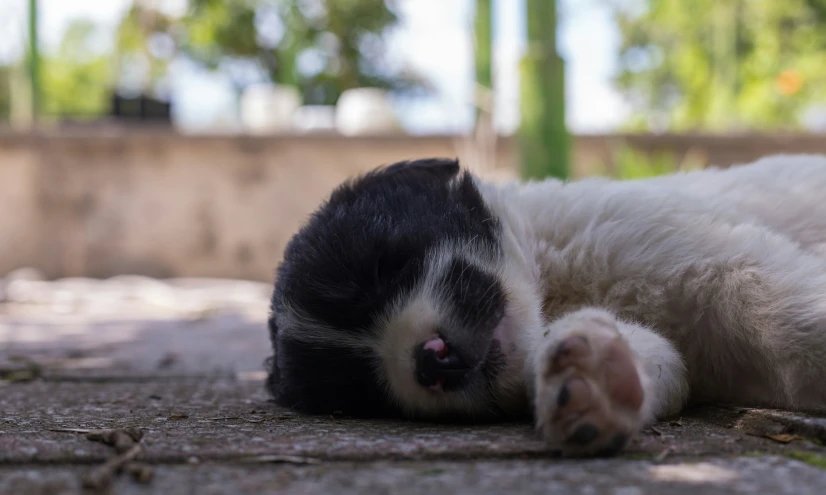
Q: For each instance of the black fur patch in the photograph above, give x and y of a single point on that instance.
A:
(361, 251)
(478, 297)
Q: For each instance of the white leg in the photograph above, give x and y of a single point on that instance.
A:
(599, 380)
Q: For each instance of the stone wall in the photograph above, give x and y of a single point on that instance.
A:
(168, 205)
(162, 204)
(593, 153)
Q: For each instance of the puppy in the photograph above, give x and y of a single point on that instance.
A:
(594, 306)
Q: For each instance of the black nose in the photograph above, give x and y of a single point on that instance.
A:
(445, 369)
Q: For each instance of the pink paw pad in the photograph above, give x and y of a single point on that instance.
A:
(596, 394)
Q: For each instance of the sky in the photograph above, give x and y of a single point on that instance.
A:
(433, 38)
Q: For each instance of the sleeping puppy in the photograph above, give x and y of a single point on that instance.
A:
(594, 306)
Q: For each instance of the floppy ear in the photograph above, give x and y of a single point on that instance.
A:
(425, 171)
(441, 168)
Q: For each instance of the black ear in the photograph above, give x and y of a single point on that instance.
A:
(441, 168)
(425, 171)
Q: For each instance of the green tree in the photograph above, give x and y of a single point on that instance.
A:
(5, 92)
(483, 41)
(144, 47)
(543, 137)
(722, 64)
(322, 47)
(76, 79)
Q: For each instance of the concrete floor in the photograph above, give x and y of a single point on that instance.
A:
(182, 361)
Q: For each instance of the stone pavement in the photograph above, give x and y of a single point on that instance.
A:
(181, 362)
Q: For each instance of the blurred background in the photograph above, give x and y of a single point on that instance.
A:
(191, 138)
(157, 155)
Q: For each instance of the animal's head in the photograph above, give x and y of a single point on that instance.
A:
(395, 299)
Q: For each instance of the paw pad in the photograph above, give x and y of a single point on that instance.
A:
(590, 395)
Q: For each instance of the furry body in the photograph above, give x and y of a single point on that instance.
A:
(595, 306)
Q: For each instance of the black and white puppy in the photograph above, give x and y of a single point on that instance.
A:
(595, 306)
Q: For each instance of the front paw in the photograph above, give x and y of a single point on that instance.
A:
(588, 392)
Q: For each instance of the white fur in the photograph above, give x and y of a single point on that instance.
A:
(716, 278)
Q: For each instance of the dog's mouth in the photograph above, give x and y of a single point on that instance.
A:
(442, 366)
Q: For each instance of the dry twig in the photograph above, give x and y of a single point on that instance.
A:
(103, 475)
(126, 442)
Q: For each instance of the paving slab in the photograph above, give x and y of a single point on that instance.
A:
(134, 326)
(228, 419)
(742, 475)
(181, 360)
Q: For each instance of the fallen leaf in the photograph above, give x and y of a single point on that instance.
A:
(122, 438)
(784, 438)
(676, 422)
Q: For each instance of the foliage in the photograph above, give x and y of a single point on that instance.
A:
(76, 79)
(483, 43)
(5, 92)
(543, 137)
(323, 47)
(141, 60)
(721, 64)
(629, 163)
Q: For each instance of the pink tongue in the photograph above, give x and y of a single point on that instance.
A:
(438, 345)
